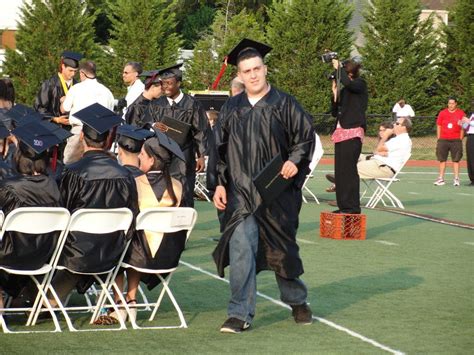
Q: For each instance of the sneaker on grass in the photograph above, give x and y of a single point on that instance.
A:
(234, 326)
(456, 182)
(439, 182)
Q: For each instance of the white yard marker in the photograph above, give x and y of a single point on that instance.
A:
(385, 242)
(321, 320)
(469, 243)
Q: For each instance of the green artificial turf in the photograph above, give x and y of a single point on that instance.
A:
(408, 286)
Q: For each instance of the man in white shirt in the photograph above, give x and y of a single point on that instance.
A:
(135, 87)
(390, 155)
(82, 95)
(402, 109)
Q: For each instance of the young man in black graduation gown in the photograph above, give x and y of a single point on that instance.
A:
(184, 108)
(53, 90)
(136, 112)
(130, 141)
(256, 126)
(95, 181)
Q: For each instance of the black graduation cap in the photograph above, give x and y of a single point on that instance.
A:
(21, 114)
(167, 143)
(172, 71)
(71, 59)
(131, 138)
(36, 137)
(59, 132)
(97, 120)
(211, 102)
(245, 44)
(150, 77)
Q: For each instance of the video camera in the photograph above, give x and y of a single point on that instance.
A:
(328, 57)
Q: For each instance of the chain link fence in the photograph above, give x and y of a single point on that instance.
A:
(423, 134)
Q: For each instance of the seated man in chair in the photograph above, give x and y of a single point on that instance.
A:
(390, 155)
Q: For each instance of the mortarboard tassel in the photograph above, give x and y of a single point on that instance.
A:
(219, 76)
(54, 158)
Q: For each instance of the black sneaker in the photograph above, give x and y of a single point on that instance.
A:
(302, 314)
(331, 178)
(234, 325)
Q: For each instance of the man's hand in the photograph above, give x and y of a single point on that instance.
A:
(465, 120)
(161, 126)
(335, 63)
(200, 164)
(387, 133)
(220, 198)
(289, 169)
(61, 120)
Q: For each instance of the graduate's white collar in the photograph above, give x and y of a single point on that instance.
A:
(177, 100)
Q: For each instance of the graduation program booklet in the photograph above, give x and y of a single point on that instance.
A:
(269, 181)
(177, 130)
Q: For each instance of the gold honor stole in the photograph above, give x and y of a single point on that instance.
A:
(63, 83)
(147, 199)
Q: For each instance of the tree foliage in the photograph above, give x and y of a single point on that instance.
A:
(460, 53)
(299, 32)
(225, 33)
(46, 29)
(142, 31)
(196, 24)
(402, 57)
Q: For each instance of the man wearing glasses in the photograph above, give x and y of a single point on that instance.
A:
(390, 154)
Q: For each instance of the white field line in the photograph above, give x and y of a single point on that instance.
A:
(304, 241)
(385, 242)
(414, 193)
(469, 243)
(321, 320)
(463, 194)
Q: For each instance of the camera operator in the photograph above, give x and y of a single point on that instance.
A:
(349, 103)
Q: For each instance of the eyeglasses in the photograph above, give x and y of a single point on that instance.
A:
(398, 123)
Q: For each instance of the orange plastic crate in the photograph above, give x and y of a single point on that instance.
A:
(342, 225)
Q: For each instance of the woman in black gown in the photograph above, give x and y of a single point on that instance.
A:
(30, 188)
(156, 188)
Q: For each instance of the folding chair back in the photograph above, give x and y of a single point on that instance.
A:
(36, 221)
(382, 190)
(97, 222)
(317, 155)
(100, 221)
(166, 220)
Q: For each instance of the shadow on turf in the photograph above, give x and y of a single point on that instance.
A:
(342, 294)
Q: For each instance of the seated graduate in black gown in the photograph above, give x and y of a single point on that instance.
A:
(30, 188)
(156, 188)
(136, 111)
(95, 181)
(130, 141)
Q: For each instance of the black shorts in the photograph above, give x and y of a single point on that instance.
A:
(444, 146)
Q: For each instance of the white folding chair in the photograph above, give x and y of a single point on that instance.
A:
(382, 191)
(162, 220)
(98, 222)
(317, 155)
(200, 186)
(35, 220)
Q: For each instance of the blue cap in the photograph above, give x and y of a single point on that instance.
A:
(97, 121)
(131, 138)
(166, 142)
(71, 59)
(35, 138)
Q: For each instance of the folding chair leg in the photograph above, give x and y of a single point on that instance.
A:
(167, 290)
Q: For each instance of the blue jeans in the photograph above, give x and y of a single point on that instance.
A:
(243, 277)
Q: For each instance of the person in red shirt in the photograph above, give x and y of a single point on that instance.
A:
(450, 137)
